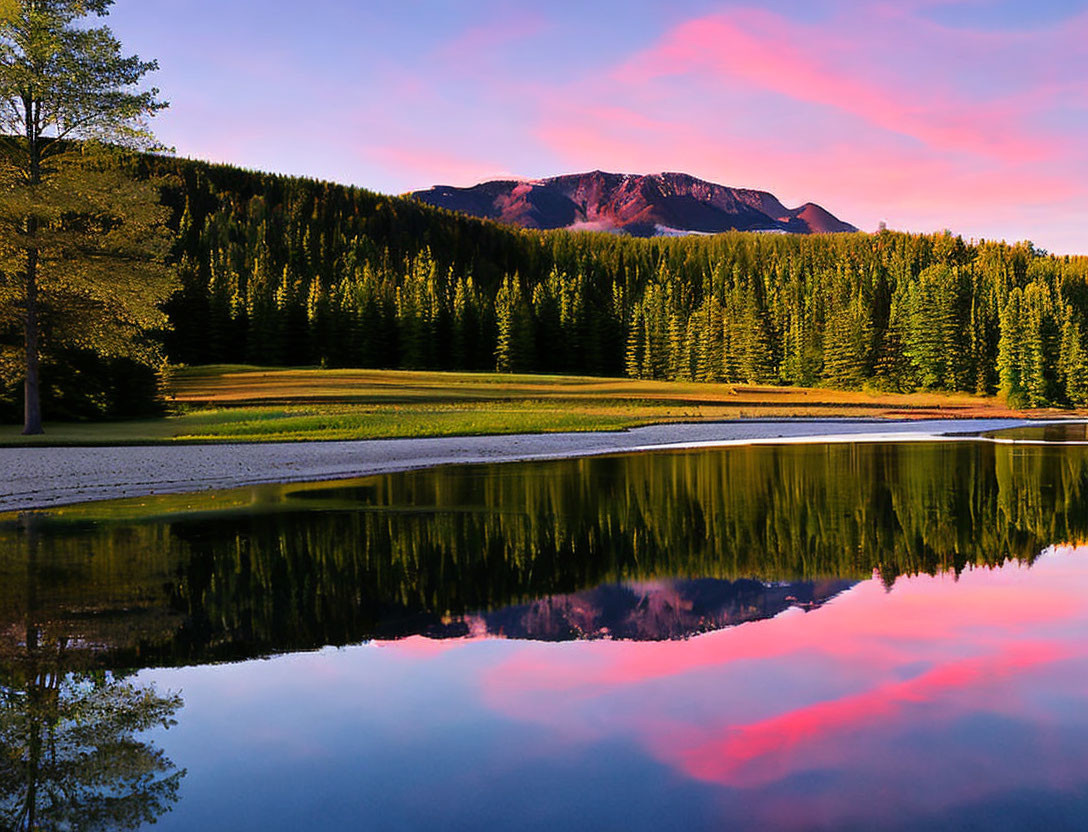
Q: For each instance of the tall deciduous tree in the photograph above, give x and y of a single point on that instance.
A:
(78, 237)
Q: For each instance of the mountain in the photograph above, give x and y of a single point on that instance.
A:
(660, 204)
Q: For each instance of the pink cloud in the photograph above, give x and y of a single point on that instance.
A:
(762, 50)
(416, 647)
(428, 165)
(855, 626)
(476, 41)
(910, 188)
(877, 113)
(948, 129)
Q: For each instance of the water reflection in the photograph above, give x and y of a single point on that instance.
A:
(1073, 432)
(647, 611)
(769, 636)
(392, 556)
(944, 704)
(71, 757)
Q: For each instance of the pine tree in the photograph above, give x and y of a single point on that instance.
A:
(634, 357)
(892, 369)
(1073, 363)
(513, 351)
(547, 324)
(932, 337)
(75, 226)
(846, 345)
(319, 313)
(1010, 356)
(756, 351)
(710, 356)
(262, 342)
(1040, 346)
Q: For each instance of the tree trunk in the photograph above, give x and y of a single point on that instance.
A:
(32, 413)
(32, 423)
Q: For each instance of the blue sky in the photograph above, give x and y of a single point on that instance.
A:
(926, 114)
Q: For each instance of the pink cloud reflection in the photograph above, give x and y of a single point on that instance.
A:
(836, 689)
(865, 627)
(763, 751)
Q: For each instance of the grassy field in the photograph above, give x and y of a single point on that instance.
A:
(237, 403)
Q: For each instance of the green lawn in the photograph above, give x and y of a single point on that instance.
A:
(238, 403)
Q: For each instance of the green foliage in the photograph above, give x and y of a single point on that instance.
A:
(100, 239)
(100, 242)
(514, 348)
(1073, 361)
(69, 753)
(80, 242)
(933, 315)
(373, 281)
(283, 271)
(83, 385)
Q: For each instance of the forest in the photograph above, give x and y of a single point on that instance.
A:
(284, 271)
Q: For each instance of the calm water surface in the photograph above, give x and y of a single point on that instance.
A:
(871, 636)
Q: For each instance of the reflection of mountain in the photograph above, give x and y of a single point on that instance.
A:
(653, 611)
(411, 553)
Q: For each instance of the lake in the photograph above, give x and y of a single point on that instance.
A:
(844, 636)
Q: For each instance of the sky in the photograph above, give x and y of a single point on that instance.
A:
(967, 115)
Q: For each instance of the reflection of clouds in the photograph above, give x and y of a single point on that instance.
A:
(872, 627)
(421, 646)
(943, 684)
(759, 752)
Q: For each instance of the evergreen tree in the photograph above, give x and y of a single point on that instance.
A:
(932, 336)
(513, 350)
(1010, 354)
(1039, 351)
(847, 342)
(76, 229)
(408, 286)
(634, 353)
(1073, 364)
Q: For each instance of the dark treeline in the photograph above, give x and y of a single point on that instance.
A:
(401, 554)
(286, 271)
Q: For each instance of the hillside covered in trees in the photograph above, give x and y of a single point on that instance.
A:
(284, 271)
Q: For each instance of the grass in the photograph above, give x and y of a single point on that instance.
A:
(251, 404)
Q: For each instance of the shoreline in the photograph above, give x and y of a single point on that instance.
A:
(48, 477)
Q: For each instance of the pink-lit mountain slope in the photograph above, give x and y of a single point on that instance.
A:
(643, 206)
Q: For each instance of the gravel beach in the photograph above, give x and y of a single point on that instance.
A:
(33, 478)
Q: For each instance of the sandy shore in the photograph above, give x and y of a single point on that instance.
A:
(42, 477)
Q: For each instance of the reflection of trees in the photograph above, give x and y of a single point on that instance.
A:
(400, 553)
(70, 753)
(71, 759)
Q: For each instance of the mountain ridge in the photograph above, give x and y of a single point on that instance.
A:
(641, 205)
